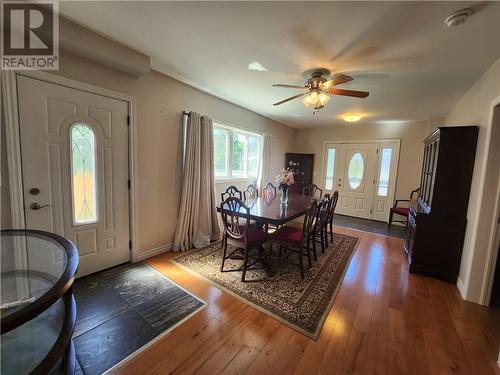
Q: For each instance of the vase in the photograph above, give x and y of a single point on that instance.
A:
(284, 193)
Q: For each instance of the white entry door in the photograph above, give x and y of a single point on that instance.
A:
(356, 180)
(364, 175)
(74, 148)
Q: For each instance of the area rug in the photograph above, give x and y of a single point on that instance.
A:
(122, 311)
(302, 304)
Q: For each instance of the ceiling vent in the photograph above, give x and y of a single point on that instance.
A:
(458, 17)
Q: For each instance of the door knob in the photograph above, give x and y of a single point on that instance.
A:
(36, 206)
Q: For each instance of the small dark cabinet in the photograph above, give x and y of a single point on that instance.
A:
(438, 218)
(302, 167)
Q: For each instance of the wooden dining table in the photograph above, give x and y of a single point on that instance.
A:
(271, 211)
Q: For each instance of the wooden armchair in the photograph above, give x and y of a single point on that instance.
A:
(399, 210)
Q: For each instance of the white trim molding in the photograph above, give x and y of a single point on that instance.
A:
(152, 252)
(13, 146)
(489, 239)
(461, 288)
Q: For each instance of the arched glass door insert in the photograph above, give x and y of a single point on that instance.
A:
(83, 174)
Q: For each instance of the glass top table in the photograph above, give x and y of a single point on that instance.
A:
(37, 309)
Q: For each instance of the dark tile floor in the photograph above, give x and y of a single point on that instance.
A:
(369, 226)
(122, 309)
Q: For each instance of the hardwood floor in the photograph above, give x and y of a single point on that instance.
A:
(384, 321)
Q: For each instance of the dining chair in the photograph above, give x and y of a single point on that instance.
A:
(403, 211)
(297, 240)
(250, 193)
(231, 191)
(318, 232)
(269, 192)
(329, 219)
(238, 233)
(312, 191)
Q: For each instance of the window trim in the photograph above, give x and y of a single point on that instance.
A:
(230, 129)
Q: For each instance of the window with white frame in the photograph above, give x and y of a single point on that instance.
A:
(237, 153)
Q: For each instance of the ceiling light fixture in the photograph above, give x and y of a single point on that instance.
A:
(352, 117)
(257, 66)
(316, 99)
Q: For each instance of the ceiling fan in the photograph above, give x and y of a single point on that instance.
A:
(319, 86)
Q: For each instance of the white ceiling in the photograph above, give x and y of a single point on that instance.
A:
(414, 67)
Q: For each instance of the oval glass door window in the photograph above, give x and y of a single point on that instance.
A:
(355, 171)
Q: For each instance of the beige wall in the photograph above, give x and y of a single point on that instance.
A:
(411, 153)
(474, 109)
(159, 103)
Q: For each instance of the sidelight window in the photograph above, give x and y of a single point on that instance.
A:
(330, 169)
(83, 174)
(385, 168)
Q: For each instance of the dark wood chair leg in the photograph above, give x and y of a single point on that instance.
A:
(245, 262)
(314, 252)
(301, 264)
(322, 238)
(309, 262)
(390, 219)
(224, 247)
(331, 231)
(314, 247)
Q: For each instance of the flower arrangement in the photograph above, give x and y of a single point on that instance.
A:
(285, 177)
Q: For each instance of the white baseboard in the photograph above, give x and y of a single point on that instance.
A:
(461, 288)
(152, 252)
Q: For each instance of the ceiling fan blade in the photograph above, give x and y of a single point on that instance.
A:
(337, 80)
(355, 93)
(288, 86)
(291, 98)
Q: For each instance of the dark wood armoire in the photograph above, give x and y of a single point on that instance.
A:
(438, 218)
(302, 167)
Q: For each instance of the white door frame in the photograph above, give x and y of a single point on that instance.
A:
(489, 240)
(12, 134)
(381, 140)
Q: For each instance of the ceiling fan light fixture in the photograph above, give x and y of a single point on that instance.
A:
(352, 117)
(316, 99)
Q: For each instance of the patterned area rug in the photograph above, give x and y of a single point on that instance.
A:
(302, 304)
